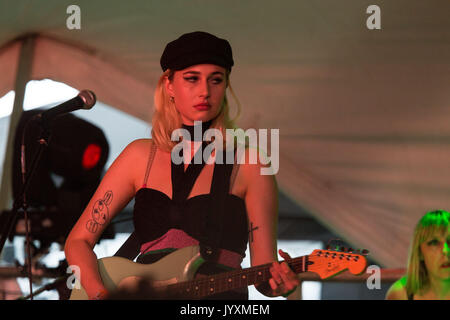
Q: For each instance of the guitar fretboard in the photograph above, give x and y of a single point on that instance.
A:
(209, 285)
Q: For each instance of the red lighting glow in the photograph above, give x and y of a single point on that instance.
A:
(91, 156)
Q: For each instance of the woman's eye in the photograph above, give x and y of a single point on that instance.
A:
(217, 80)
(433, 242)
(191, 79)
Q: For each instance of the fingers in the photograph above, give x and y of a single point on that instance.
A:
(290, 275)
(283, 278)
(276, 271)
(289, 278)
(284, 255)
(273, 285)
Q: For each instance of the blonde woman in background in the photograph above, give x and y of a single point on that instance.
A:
(428, 271)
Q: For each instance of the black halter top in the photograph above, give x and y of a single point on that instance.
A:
(155, 213)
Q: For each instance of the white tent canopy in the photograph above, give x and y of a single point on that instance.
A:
(362, 114)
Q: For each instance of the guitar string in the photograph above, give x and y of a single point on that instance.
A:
(220, 281)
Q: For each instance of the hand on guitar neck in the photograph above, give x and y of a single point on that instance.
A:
(283, 281)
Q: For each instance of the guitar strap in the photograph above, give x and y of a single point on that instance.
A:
(211, 243)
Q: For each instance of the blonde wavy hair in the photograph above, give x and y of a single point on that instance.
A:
(166, 117)
(431, 224)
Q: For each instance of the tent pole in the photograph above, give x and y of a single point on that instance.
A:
(22, 77)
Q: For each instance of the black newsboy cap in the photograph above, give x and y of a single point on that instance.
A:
(197, 48)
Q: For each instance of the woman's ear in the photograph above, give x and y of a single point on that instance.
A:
(168, 84)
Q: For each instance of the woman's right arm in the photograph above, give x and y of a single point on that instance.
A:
(116, 189)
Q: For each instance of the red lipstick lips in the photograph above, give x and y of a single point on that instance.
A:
(202, 106)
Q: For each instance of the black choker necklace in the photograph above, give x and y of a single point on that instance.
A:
(202, 127)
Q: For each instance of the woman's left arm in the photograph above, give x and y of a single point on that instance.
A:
(261, 199)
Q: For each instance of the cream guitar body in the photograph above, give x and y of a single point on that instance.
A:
(117, 272)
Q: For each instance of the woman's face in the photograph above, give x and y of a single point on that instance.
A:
(436, 255)
(198, 92)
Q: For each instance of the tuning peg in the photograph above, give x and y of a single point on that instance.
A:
(365, 252)
(350, 250)
(343, 249)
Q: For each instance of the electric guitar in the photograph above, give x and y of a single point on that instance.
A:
(173, 275)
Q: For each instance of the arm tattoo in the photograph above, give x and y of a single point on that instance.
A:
(100, 212)
(251, 231)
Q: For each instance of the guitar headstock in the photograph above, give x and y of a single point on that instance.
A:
(328, 263)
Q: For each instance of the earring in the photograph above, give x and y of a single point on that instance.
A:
(172, 99)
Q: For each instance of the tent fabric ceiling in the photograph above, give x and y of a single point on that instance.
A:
(363, 114)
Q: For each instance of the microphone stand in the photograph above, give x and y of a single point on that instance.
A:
(51, 286)
(20, 201)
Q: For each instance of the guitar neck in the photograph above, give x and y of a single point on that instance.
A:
(214, 284)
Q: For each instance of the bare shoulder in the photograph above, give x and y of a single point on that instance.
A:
(260, 185)
(139, 145)
(254, 163)
(136, 151)
(132, 160)
(398, 290)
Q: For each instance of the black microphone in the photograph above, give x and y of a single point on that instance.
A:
(84, 100)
